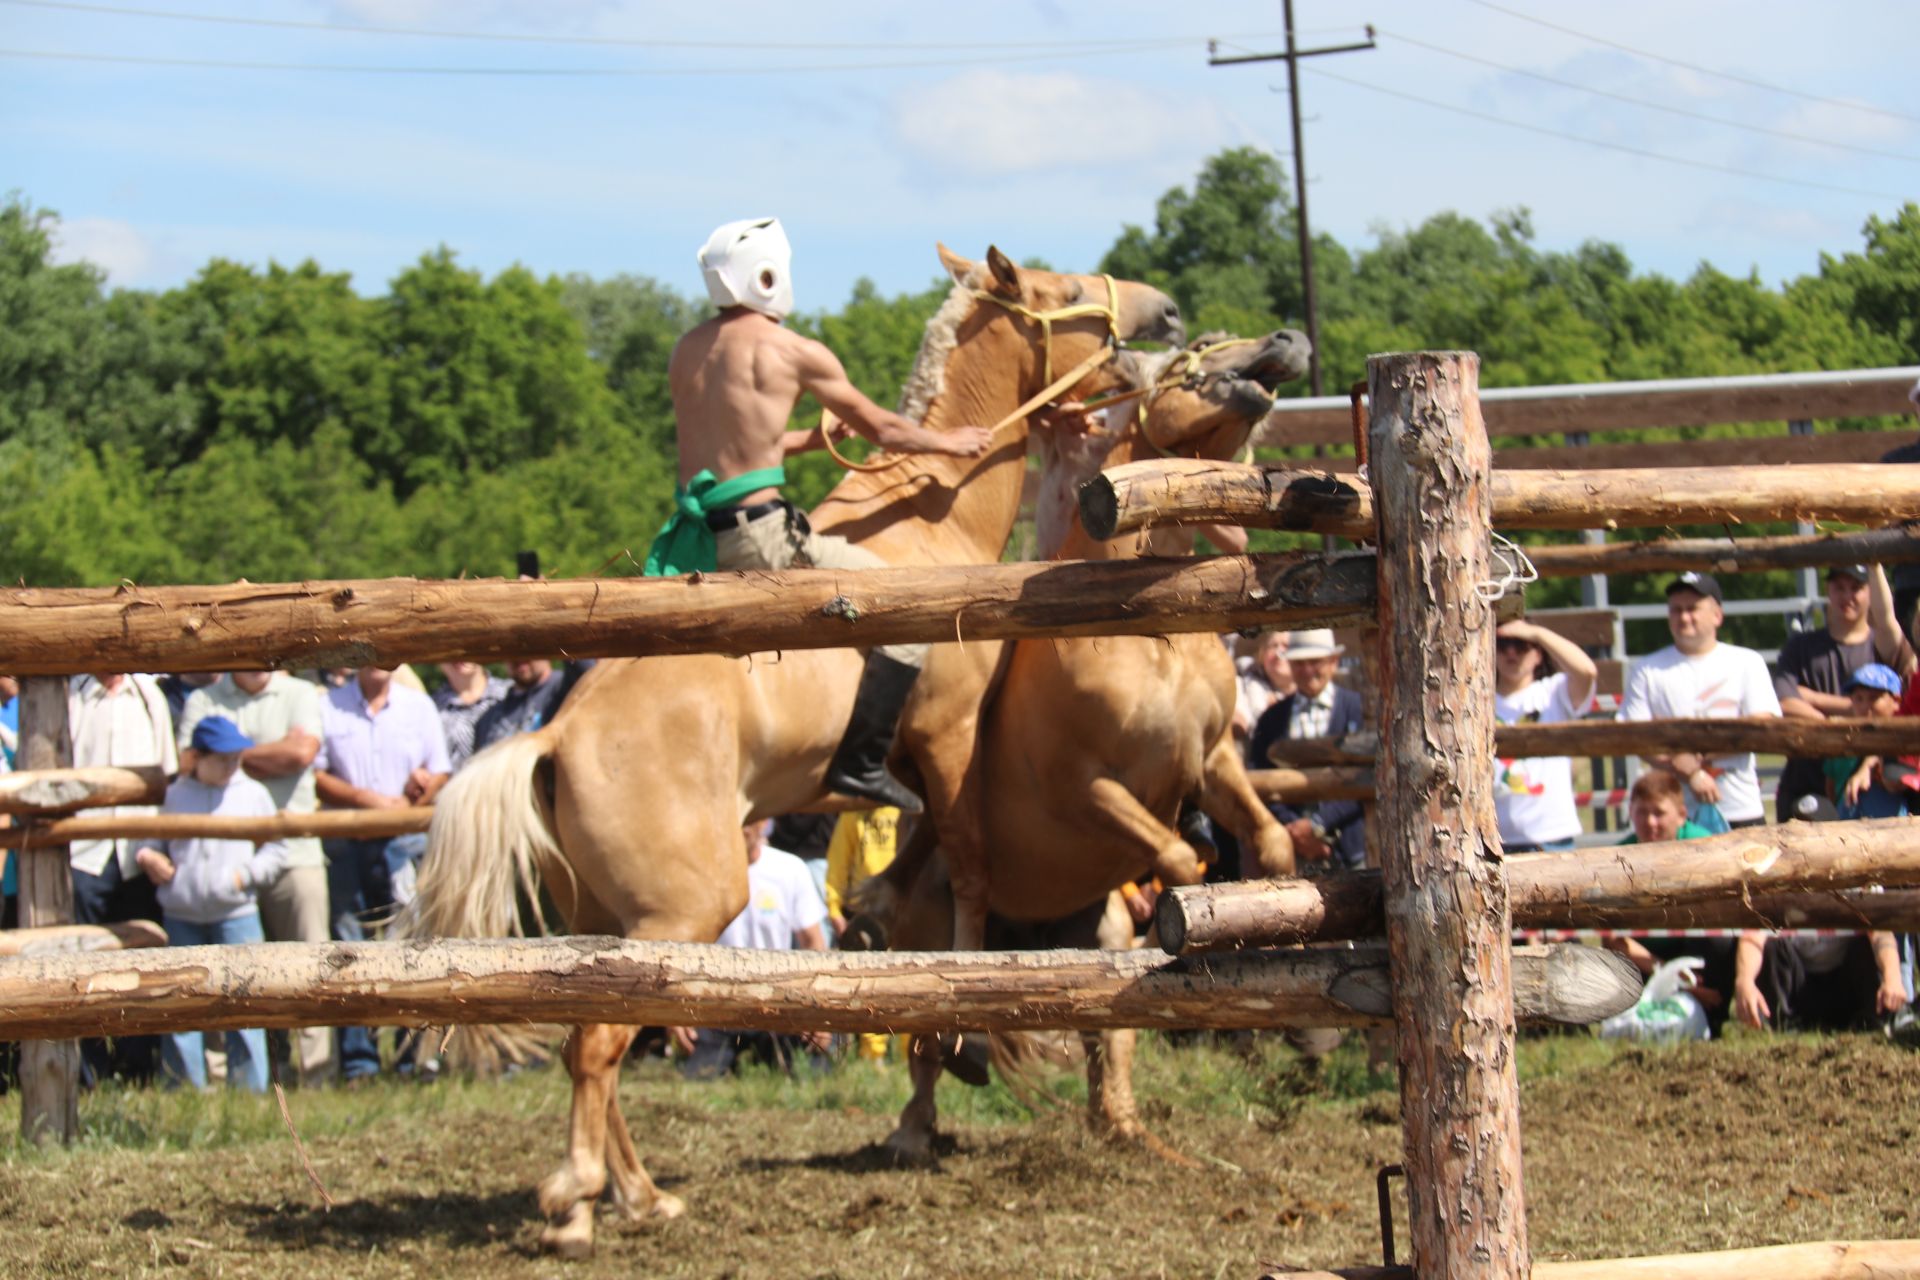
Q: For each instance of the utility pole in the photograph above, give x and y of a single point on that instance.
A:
(1292, 58)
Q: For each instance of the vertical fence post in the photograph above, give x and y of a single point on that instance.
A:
(49, 1070)
(1449, 926)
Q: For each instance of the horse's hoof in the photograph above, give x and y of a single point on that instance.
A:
(570, 1237)
(560, 1192)
(864, 933)
(910, 1149)
(667, 1206)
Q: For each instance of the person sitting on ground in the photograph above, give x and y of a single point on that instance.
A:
(1810, 676)
(1868, 787)
(735, 380)
(1657, 808)
(208, 887)
(1698, 676)
(1264, 678)
(533, 699)
(469, 693)
(783, 913)
(1329, 836)
(1540, 677)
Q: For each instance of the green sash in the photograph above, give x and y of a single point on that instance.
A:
(685, 543)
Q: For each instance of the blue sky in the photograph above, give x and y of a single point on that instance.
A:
(1030, 129)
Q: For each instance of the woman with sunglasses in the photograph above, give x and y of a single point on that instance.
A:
(1539, 678)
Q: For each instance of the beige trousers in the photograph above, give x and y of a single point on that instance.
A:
(294, 909)
(775, 542)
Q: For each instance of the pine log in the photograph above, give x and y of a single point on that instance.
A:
(60, 939)
(1827, 1260)
(1292, 786)
(1612, 406)
(1725, 451)
(1443, 886)
(1166, 491)
(1899, 545)
(390, 621)
(41, 792)
(585, 980)
(1777, 735)
(1643, 886)
(49, 1070)
(340, 824)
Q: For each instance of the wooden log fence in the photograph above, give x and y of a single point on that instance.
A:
(1899, 545)
(1825, 1260)
(587, 979)
(343, 824)
(1734, 735)
(42, 792)
(1167, 491)
(391, 621)
(1292, 786)
(59, 939)
(1616, 887)
(49, 1069)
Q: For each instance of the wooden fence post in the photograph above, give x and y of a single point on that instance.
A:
(1449, 927)
(49, 1069)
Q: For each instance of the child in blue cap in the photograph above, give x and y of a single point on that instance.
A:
(208, 888)
(1862, 787)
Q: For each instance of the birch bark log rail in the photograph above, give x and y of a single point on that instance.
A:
(591, 979)
(1189, 491)
(1625, 886)
(1839, 736)
(389, 621)
(340, 824)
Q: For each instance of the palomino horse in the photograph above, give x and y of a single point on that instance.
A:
(628, 807)
(1089, 746)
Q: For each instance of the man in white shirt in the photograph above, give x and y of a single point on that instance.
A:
(1698, 677)
(784, 912)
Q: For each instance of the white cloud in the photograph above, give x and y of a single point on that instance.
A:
(116, 247)
(996, 123)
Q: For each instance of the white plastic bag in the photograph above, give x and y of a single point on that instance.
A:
(1665, 1014)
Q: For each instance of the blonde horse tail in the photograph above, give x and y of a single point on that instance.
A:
(492, 835)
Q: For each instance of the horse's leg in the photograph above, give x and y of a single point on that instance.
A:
(633, 1191)
(568, 1193)
(912, 1140)
(1119, 812)
(1111, 1111)
(1227, 796)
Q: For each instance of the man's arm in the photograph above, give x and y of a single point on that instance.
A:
(1748, 1004)
(1569, 658)
(290, 755)
(1891, 998)
(821, 374)
(341, 794)
(1889, 637)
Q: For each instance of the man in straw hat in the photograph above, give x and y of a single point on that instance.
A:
(1329, 835)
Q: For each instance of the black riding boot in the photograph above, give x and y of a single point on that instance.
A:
(859, 766)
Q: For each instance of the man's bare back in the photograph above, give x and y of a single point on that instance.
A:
(735, 379)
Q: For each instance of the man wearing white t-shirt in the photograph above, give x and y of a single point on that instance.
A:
(784, 912)
(1698, 677)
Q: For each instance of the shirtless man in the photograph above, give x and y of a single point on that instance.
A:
(735, 380)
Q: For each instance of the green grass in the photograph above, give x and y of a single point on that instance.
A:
(1267, 1084)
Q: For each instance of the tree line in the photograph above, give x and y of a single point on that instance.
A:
(276, 424)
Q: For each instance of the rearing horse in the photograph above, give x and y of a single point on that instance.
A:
(628, 806)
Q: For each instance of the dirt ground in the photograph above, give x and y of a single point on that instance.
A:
(1749, 1142)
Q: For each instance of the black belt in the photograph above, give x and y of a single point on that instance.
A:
(729, 517)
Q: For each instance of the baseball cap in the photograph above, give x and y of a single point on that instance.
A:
(1858, 572)
(219, 735)
(1705, 583)
(1875, 675)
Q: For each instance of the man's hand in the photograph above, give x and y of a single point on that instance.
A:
(1891, 998)
(817, 1041)
(370, 799)
(681, 1038)
(1305, 843)
(417, 783)
(158, 866)
(963, 442)
(1702, 784)
(1749, 1005)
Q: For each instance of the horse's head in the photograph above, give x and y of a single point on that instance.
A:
(1067, 318)
(1209, 397)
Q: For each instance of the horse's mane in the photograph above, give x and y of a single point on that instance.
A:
(942, 334)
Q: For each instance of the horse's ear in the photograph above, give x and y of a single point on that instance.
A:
(964, 271)
(1006, 276)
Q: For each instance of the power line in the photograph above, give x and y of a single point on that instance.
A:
(1694, 66)
(1649, 105)
(1611, 146)
(290, 24)
(212, 64)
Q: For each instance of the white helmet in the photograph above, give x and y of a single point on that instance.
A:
(750, 264)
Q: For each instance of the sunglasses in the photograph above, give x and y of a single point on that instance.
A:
(1508, 644)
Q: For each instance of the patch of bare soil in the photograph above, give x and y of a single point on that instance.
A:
(1707, 1147)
